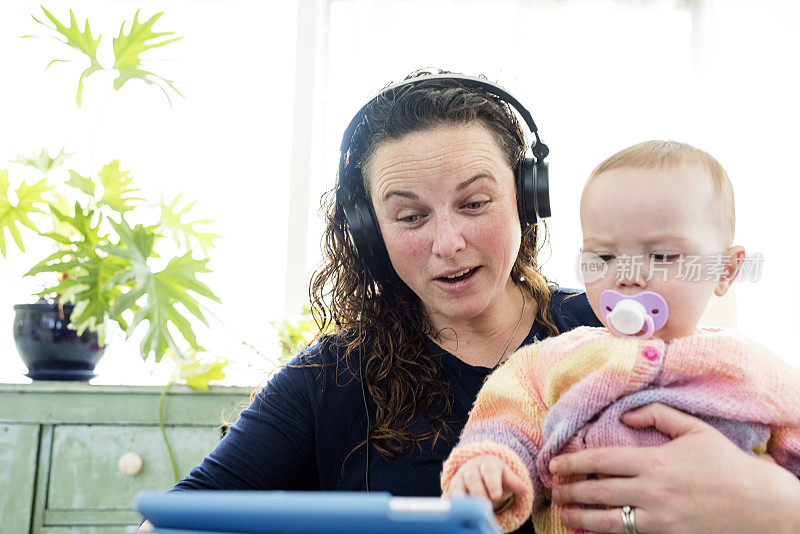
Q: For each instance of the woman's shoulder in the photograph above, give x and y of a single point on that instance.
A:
(326, 349)
(569, 309)
(326, 358)
(310, 373)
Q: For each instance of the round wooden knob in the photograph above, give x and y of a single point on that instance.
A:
(130, 463)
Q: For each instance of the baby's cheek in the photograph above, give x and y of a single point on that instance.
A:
(688, 301)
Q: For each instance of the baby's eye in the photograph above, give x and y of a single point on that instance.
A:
(606, 257)
(665, 258)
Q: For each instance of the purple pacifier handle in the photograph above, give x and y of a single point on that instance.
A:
(655, 306)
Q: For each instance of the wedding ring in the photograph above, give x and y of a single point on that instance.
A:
(628, 520)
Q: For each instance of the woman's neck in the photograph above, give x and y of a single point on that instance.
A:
(488, 339)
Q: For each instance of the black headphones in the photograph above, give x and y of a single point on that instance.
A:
(531, 175)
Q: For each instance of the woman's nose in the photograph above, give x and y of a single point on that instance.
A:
(448, 238)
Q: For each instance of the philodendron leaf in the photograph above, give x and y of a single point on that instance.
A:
(82, 183)
(162, 291)
(42, 161)
(295, 333)
(197, 374)
(93, 301)
(88, 273)
(57, 262)
(127, 49)
(12, 215)
(82, 222)
(116, 188)
(61, 230)
(135, 244)
(184, 232)
(79, 40)
(87, 287)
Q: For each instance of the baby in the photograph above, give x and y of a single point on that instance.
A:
(658, 223)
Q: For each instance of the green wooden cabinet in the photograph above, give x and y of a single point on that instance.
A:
(61, 442)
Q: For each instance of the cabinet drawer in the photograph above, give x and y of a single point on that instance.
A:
(84, 473)
(19, 446)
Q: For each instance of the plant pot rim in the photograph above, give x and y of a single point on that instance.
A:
(41, 306)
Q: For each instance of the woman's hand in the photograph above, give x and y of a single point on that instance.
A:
(489, 477)
(699, 482)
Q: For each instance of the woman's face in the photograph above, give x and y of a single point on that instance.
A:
(446, 205)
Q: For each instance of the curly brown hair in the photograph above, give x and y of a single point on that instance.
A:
(402, 379)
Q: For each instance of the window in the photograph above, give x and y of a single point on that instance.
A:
(598, 75)
(226, 145)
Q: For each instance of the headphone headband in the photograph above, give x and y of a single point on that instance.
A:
(468, 81)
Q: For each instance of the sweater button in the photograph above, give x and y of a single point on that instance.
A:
(651, 353)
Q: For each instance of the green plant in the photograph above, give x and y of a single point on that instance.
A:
(194, 372)
(112, 259)
(295, 333)
(127, 49)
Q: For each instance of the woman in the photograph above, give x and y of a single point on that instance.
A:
(442, 287)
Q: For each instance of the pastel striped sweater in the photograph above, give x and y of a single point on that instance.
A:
(567, 393)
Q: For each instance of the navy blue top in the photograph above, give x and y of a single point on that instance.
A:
(299, 431)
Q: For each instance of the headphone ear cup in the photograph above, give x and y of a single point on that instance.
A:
(526, 192)
(533, 197)
(366, 235)
(542, 186)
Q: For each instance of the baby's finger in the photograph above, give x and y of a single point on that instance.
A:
(456, 488)
(513, 482)
(474, 483)
(457, 492)
(492, 480)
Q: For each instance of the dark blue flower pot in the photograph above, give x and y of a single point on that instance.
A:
(48, 348)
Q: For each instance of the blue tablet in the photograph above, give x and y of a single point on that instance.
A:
(296, 512)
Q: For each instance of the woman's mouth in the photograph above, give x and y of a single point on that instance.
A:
(459, 276)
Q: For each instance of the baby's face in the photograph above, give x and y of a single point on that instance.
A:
(655, 230)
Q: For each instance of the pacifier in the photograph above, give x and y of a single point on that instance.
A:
(629, 315)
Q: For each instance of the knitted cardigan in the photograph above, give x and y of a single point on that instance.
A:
(567, 393)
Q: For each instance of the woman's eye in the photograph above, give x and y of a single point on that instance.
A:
(606, 257)
(478, 204)
(410, 219)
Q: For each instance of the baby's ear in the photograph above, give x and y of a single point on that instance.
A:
(733, 264)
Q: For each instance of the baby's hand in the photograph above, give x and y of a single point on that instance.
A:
(489, 477)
